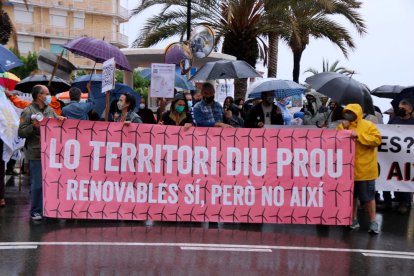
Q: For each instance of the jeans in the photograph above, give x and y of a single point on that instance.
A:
(36, 186)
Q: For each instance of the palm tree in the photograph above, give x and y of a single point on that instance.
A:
(312, 19)
(239, 25)
(331, 68)
(7, 29)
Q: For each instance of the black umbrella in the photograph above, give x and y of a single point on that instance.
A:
(405, 93)
(343, 89)
(225, 69)
(58, 85)
(387, 91)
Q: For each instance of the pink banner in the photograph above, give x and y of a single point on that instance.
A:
(98, 170)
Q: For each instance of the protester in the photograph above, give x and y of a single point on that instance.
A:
(227, 102)
(233, 117)
(145, 113)
(207, 112)
(403, 116)
(75, 109)
(266, 113)
(282, 104)
(30, 129)
(189, 100)
(197, 97)
(179, 114)
(315, 111)
(240, 104)
(335, 115)
(126, 106)
(19, 103)
(367, 138)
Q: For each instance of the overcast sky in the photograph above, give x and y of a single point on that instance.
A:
(385, 55)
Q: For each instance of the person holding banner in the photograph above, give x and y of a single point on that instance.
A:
(404, 116)
(126, 104)
(367, 138)
(265, 113)
(29, 128)
(207, 112)
(75, 109)
(179, 113)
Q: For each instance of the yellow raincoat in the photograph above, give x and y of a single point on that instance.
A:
(369, 138)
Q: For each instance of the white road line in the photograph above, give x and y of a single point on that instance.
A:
(271, 247)
(389, 256)
(202, 248)
(12, 247)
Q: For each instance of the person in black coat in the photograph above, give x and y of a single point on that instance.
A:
(145, 113)
(265, 113)
(179, 113)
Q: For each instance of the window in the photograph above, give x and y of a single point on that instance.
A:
(22, 15)
(56, 46)
(26, 43)
(58, 18)
(78, 20)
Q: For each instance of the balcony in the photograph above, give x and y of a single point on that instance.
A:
(43, 30)
(88, 6)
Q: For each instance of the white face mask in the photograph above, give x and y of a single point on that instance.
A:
(48, 100)
(141, 106)
(120, 105)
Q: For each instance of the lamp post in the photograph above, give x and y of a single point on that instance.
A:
(188, 19)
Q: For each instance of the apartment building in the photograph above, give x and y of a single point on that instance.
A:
(51, 23)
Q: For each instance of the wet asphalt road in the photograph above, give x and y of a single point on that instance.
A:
(80, 247)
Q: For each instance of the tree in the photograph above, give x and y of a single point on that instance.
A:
(313, 19)
(239, 25)
(331, 68)
(29, 65)
(7, 29)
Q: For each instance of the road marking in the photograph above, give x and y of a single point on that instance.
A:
(12, 247)
(271, 247)
(395, 256)
(238, 249)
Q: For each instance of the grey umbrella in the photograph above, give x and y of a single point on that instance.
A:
(343, 89)
(225, 69)
(387, 91)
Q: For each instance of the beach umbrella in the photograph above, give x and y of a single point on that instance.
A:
(8, 60)
(181, 81)
(98, 51)
(281, 88)
(343, 89)
(8, 80)
(225, 69)
(57, 85)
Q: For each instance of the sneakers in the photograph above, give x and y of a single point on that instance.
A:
(36, 216)
(373, 228)
(354, 225)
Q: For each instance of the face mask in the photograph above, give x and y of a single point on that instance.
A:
(350, 117)
(270, 99)
(48, 100)
(179, 109)
(119, 105)
(401, 112)
(190, 104)
(209, 100)
(141, 106)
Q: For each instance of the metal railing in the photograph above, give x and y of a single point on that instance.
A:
(93, 6)
(70, 33)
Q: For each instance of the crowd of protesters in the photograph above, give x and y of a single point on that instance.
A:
(201, 110)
